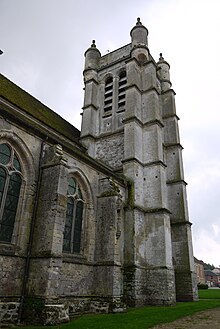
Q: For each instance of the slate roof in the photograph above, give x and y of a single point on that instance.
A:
(209, 273)
(27, 103)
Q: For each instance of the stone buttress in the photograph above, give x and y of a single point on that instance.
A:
(42, 295)
(186, 287)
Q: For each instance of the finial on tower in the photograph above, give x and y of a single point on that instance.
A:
(93, 45)
(161, 57)
(138, 21)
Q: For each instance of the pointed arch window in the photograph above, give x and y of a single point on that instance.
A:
(10, 186)
(121, 89)
(108, 94)
(72, 238)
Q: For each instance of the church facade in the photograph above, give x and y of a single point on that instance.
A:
(94, 220)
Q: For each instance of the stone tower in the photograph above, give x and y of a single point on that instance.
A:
(129, 123)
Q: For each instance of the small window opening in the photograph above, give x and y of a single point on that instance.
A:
(108, 94)
(121, 89)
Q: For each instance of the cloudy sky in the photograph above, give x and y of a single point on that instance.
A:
(44, 43)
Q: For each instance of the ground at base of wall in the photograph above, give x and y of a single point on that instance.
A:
(201, 320)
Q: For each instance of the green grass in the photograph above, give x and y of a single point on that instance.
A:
(140, 318)
(209, 293)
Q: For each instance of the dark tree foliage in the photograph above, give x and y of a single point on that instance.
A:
(208, 267)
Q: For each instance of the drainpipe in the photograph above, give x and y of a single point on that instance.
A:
(30, 242)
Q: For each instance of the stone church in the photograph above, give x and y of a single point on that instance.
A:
(94, 220)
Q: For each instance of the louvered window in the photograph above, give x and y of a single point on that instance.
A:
(10, 185)
(121, 89)
(108, 94)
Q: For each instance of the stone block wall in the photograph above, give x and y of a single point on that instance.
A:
(154, 286)
(11, 279)
(9, 312)
(111, 150)
(76, 280)
(56, 313)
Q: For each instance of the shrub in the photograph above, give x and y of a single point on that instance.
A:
(202, 286)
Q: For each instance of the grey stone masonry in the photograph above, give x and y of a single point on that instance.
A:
(9, 312)
(151, 159)
(101, 220)
(48, 240)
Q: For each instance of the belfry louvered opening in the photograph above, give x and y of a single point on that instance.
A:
(108, 94)
(121, 89)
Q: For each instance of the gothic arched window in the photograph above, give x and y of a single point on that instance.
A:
(10, 185)
(108, 94)
(121, 89)
(74, 218)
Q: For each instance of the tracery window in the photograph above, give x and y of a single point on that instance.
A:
(10, 185)
(74, 218)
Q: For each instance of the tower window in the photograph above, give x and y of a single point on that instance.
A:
(74, 218)
(108, 94)
(121, 89)
(10, 185)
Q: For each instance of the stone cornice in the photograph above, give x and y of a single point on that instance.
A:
(168, 90)
(91, 79)
(144, 124)
(172, 145)
(168, 116)
(174, 222)
(176, 181)
(149, 164)
(153, 88)
(89, 106)
(149, 210)
(133, 85)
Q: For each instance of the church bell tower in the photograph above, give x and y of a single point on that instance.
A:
(130, 124)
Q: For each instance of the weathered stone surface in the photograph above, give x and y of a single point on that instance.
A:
(56, 314)
(116, 145)
(126, 210)
(9, 312)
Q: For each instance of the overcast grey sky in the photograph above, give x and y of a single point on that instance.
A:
(44, 43)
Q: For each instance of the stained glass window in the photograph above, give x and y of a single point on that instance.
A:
(5, 154)
(74, 217)
(10, 185)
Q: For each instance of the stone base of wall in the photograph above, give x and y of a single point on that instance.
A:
(55, 314)
(186, 286)
(108, 305)
(78, 306)
(155, 286)
(9, 312)
(149, 286)
(39, 311)
(59, 313)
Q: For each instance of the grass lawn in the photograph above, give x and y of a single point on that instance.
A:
(140, 318)
(209, 293)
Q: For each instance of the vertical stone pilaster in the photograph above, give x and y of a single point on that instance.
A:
(90, 115)
(46, 258)
(185, 278)
(108, 255)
